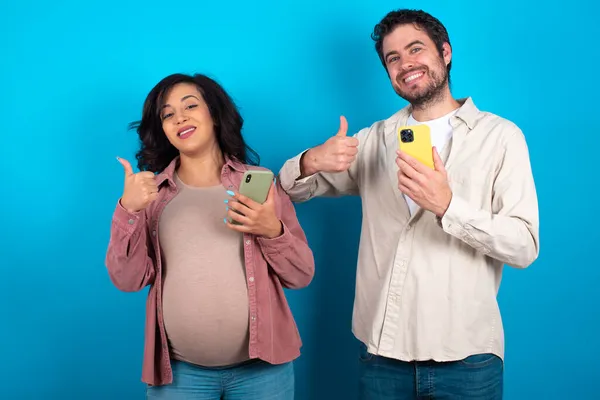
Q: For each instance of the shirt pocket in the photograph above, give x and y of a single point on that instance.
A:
(474, 176)
(472, 184)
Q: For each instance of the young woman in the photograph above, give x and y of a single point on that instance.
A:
(218, 325)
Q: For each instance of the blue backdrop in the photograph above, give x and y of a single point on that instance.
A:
(73, 74)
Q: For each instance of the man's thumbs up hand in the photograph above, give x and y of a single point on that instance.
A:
(335, 155)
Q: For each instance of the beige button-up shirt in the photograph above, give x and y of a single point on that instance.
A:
(426, 288)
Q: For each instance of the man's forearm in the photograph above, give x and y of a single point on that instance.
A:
(308, 164)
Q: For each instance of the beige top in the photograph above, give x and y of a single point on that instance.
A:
(426, 289)
(205, 298)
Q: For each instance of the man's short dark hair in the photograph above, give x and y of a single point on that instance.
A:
(422, 20)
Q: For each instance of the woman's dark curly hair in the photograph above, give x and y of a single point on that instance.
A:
(157, 152)
(433, 27)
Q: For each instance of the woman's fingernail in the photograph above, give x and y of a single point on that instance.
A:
(226, 208)
(226, 201)
(224, 220)
(229, 192)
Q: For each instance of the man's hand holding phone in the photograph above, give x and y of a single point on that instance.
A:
(427, 187)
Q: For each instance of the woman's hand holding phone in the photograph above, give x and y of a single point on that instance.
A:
(253, 217)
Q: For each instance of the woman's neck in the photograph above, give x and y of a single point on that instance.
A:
(201, 170)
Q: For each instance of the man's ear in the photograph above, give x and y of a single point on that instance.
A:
(447, 53)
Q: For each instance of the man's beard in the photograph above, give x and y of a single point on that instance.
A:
(431, 94)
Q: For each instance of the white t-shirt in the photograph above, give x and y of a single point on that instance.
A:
(441, 132)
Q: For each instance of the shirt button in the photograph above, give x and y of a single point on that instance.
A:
(251, 279)
(153, 233)
(254, 318)
(247, 242)
(131, 222)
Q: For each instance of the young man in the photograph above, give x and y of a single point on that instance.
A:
(434, 240)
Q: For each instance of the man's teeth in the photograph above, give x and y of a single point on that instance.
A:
(413, 77)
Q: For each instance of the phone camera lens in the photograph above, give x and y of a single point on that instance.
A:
(406, 135)
(248, 178)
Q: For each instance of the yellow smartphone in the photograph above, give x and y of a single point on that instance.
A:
(416, 142)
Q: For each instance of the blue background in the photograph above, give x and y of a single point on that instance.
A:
(73, 74)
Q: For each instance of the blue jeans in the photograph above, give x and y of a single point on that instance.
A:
(256, 380)
(478, 377)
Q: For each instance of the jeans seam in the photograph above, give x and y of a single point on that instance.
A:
(417, 380)
(431, 383)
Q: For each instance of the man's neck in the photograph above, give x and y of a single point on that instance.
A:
(437, 109)
(201, 170)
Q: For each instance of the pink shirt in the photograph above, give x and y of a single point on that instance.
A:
(133, 261)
